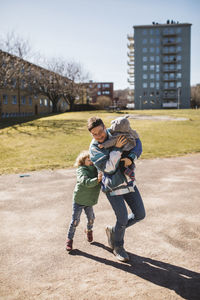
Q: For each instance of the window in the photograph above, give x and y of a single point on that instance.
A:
(157, 31)
(144, 76)
(151, 31)
(98, 93)
(106, 93)
(157, 77)
(171, 75)
(144, 58)
(157, 41)
(179, 48)
(106, 85)
(144, 85)
(144, 32)
(178, 84)
(151, 41)
(30, 101)
(166, 85)
(171, 67)
(99, 86)
(5, 99)
(172, 49)
(41, 102)
(46, 102)
(152, 49)
(152, 67)
(157, 58)
(178, 30)
(157, 86)
(144, 67)
(14, 99)
(151, 76)
(157, 68)
(178, 66)
(23, 100)
(144, 50)
(144, 41)
(152, 84)
(179, 39)
(178, 75)
(178, 57)
(157, 50)
(151, 58)
(171, 84)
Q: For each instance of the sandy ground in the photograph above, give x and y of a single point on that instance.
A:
(164, 248)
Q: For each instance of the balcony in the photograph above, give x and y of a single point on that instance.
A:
(170, 71)
(130, 46)
(169, 79)
(169, 44)
(168, 34)
(130, 54)
(130, 63)
(170, 97)
(170, 89)
(170, 53)
(131, 81)
(170, 62)
(130, 37)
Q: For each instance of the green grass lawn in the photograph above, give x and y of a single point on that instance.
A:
(55, 141)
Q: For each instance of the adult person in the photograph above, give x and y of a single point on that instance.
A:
(119, 189)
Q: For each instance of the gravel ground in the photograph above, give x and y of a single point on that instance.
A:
(35, 211)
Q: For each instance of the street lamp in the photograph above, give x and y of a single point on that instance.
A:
(140, 102)
(179, 93)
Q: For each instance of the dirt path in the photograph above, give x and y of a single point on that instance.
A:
(164, 248)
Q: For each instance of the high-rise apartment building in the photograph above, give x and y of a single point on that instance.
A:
(159, 65)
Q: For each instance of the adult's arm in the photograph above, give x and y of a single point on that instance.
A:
(136, 151)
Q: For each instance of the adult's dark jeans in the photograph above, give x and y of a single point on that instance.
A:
(118, 203)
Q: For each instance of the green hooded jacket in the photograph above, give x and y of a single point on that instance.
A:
(87, 187)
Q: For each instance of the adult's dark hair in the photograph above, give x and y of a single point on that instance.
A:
(94, 122)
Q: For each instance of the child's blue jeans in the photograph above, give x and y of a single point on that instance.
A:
(77, 211)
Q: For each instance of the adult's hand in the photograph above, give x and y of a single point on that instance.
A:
(127, 162)
(121, 141)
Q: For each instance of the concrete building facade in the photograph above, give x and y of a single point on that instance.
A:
(159, 65)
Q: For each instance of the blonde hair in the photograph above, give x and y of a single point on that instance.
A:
(80, 160)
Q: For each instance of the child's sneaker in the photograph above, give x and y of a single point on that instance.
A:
(69, 245)
(89, 235)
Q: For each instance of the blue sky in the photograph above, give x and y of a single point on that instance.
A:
(94, 32)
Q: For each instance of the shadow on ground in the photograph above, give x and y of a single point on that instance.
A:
(184, 282)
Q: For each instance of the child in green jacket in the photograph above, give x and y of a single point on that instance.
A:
(85, 195)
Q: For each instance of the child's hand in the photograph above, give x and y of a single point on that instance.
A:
(100, 175)
(127, 162)
(100, 146)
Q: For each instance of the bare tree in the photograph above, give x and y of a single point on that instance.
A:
(16, 45)
(73, 79)
(195, 96)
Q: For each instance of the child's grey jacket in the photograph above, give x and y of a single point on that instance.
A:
(121, 126)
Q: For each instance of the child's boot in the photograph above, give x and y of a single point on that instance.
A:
(69, 245)
(89, 235)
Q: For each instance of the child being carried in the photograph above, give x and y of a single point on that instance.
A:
(121, 127)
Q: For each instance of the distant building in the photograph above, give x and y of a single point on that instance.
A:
(159, 65)
(97, 89)
(17, 98)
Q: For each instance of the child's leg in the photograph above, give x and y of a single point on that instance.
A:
(90, 216)
(77, 210)
(130, 171)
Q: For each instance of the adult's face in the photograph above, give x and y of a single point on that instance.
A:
(99, 133)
